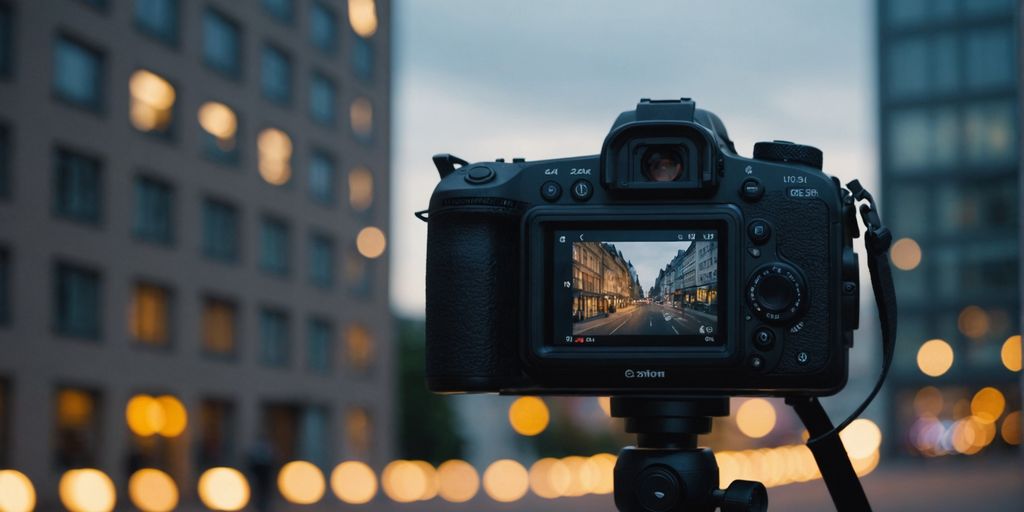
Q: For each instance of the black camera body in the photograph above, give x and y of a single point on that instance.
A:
(666, 265)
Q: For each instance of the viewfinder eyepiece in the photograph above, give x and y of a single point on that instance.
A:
(663, 163)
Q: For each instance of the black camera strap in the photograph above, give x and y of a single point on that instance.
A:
(826, 446)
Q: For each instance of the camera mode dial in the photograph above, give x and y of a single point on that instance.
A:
(777, 293)
(784, 151)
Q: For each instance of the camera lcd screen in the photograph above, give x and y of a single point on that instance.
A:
(638, 288)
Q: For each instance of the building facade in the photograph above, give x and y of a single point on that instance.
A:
(191, 202)
(950, 168)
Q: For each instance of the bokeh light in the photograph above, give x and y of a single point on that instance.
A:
(164, 415)
(1011, 428)
(605, 403)
(403, 481)
(17, 494)
(223, 488)
(354, 482)
(1011, 353)
(151, 102)
(549, 478)
(935, 357)
(906, 254)
(583, 475)
(528, 415)
(973, 322)
(431, 478)
(175, 416)
(275, 153)
(362, 15)
(506, 481)
(861, 438)
(87, 490)
(605, 465)
(988, 404)
(152, 490)
(756, 417)
(218, 120)
(301, 482)
(928, 401)
(458, 481)
(371, 242)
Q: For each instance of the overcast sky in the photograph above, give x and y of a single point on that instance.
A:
(485, 79)
(648, 258)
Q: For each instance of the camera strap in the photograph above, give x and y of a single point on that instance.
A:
(825, 444)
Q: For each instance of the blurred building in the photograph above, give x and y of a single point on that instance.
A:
(190, 259)
(948, 122)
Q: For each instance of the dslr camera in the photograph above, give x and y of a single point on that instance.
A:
(666, 265)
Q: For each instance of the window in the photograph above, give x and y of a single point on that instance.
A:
(150, 314)
(361, 119)
(77, 429)
(276, 75)
(358, 346)
(219, 326)
(77, 73)
(920, 139)
(362, 17)
(358, 433)
(990, 59)
(6, 41)
(323, 27)
(275, 156)
(77, 188)
(216, 433)
(5, 162)
(5, 288)
(322, 99)
(321, 178)
(974, 206)
(908, 67)
(362, 59)
(281, 428)
(77, 302)
(220, 231)
(357, 274)
(222, 45)
(318, 353)
(988, 7)
(360, 189)
(321, 261)
(151, 102)
(313, 436)
(154, 211)
(274, 246)
(990, 134)
(274, 337)
(283, 10)
(219, 132)
(158, 18)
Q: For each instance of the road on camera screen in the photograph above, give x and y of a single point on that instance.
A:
(648, 320)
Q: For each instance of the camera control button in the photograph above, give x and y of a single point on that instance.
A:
(479, 175)
(582, 190)
(759, 231)
(756, 362)
(751, 190)
(551, 191)
(764, 339)
(754, 252)
(658, 490)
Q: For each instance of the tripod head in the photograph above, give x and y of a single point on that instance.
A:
(666, 471)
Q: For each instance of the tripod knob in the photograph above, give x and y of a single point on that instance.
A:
(745, 496)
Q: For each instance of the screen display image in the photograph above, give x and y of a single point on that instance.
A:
(653, 288)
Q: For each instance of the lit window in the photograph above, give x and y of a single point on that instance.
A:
(322, 99)
(360, 189)
(275, 155)
(219, 131)
(219, 326)
(321, 178)
(362, 15)
(150, 314)
(990, 134)
(6, 41)
(358, 433)
(220, 231)
(990, 58)
(222, 47)
(77, 428)
(920, 140)
(361, 118)
(216, 433)
(154, 211)
(274, 246)
(77, 73)
(274, 336)
(77, 303)
(323, 27)
(359, 348)
(276, 75)
(318, 352)
(151, 107)
(362, 59)
(280, 9)
(77, 190)
(321, 261)
(158, 18)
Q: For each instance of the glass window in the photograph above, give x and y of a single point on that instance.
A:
(6, 41)
(322, 100)
(362, 59)
(357, 274)
(77, 190)
(5, 162)
(222, 45)
(318, 352)
(990, 133)
(906, 12)
(360, 189)
(77, 428)
(283, 10)
(920, 139)
(281, 430)
(361, 119)
(988, 7)
(322, 178)
(321, 261)
(219, 132)
(154, 211)
(979, 204)
(158, 18)
(944, 62)
(990, 58)
(313, 436)
(220, 327)
(276, 75)
(77, 312)
(216, 433)
(359, 347)
(274, 246)
(150, 314)
(323, 27)
(908, 68)
(274, 337)
(358, 434)
(909, 215)
(220, 231)
(5, 289)
(77, 73)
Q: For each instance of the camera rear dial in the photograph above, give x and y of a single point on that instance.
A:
(777, 293)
